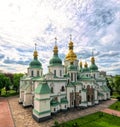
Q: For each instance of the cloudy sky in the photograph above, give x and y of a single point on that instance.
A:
(94, 25)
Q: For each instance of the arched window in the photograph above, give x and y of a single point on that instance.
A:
(37, 73)
(71, 76)
(32, 73)
(88, 98)
(52, 91)
(62, 88)
(60, 72)
(54, 72)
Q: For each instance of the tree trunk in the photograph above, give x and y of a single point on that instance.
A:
(0, 91)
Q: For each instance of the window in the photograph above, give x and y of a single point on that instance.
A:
(52, 91)
(54, 72)
(60, 72)
(62, 88)
(88, 98)
(32, 73)
(37, 73)
(71, 76)
(72, 102)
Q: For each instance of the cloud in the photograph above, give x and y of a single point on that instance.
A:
(93, 24)
(2, 56)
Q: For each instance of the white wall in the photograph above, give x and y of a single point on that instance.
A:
(58, 69)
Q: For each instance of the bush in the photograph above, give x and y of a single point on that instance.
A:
(118, 98)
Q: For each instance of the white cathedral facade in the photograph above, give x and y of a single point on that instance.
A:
(68, 85)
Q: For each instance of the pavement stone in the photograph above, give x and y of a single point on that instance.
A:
(23, 116)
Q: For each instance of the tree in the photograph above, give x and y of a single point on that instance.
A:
(117, 83)
(7, 83)
(10, 75)
(110, 85)
(2, 76)
(16, 81)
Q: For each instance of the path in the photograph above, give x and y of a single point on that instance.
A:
(112, 112)
(5, 114)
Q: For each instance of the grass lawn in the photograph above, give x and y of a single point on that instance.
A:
(9, 93)
(115, 106)
(98, 119)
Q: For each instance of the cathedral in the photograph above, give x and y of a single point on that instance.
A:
(65, 86)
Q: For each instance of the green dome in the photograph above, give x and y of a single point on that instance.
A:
(35, 64)
(72, 67)
(86, 69)
(93, 67)
(55, 60)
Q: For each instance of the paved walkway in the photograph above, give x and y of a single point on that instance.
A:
(23, 116)
(112, 112)
(5, 114)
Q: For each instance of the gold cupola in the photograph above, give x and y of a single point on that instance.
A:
(71, 56)
(80, 64)
(35, 54)
(85, 65)
(92, 59)
(55, 50)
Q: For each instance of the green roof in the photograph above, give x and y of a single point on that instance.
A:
(100, 94)
(55, 60)
(93, 67)
(72, 67)
(83, 77)
(86, 69)
(42, 88)
(35, 63)
(54, 102)
(105, 88)
(71, 84)
(66, 75)
(64, 100)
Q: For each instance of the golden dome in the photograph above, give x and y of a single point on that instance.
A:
(71, 55)
(55, 50)
(35, 54)
(81, 64)
(86, 65)
(92, 60)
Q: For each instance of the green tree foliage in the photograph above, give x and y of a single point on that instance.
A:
(110, 85)
(10, 75)
(2, 81)
(7, 83)
(16, 81)
(116, 81)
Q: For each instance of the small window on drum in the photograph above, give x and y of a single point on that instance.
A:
(62, 88)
